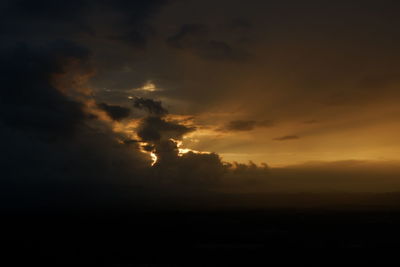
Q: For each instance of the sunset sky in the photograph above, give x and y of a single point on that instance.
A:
(281, 82)
(267, 96)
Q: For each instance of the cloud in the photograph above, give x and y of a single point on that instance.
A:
(134, 38)
(29, 100)
(27, 18)
(71, 19)
(115, 112)
(54, 153)
(196, 38)
(190, 171)
(154, 128)
(149, 105)
(188, 36)
(134, 29)
(287, 138)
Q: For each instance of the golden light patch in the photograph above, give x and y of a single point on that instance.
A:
(154, 158)
(126, 127)
(182, 150)
(149, 86)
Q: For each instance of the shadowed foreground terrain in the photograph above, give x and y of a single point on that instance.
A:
(337, 230)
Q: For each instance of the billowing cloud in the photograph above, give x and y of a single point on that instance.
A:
(29, 100)
(50, 143)
(114, 111)
(149, 105)
(156, 128)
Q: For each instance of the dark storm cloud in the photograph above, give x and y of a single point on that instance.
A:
(287, 138)
(149, 105)
(156, 128)
(39, 168)
(69, 19)
(88, 163)
(23, 18)
(206, 168)
(134, 29)
(116, 112)
(48, 10)
(245, 125)
(190, 170)
(55, 154)
(183, 171)
(196, 38)
(136, 38)
(29, 101)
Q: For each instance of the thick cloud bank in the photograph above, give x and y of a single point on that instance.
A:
(60, 149)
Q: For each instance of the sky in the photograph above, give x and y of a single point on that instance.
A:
(171, 96)
(281, 82)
